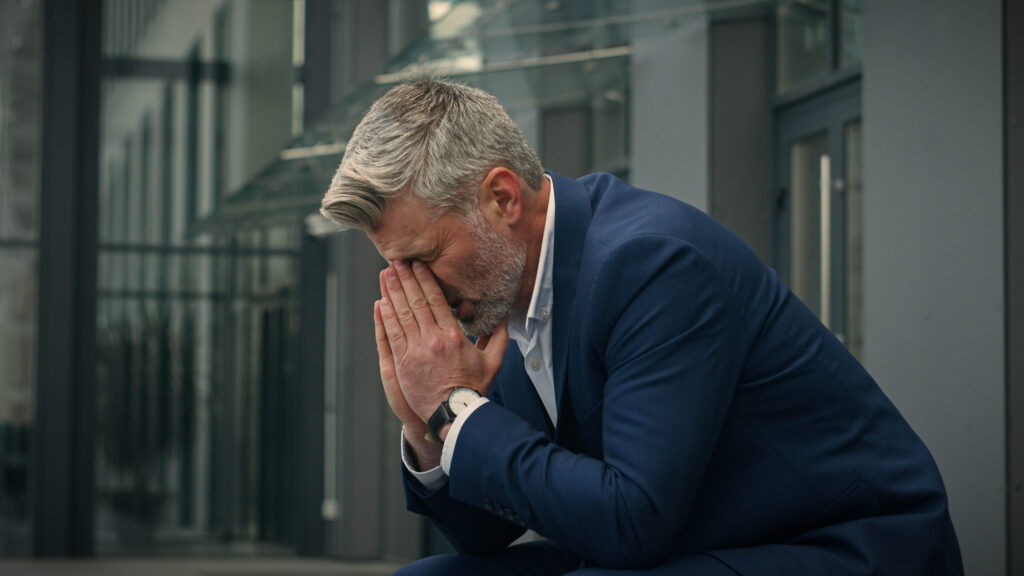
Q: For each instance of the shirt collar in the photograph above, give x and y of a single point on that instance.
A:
(523, 323)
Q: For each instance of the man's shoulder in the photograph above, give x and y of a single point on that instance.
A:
(622, 213)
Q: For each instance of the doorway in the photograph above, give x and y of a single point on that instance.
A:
(818, 222)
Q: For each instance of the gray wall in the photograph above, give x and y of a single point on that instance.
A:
(742, 194)
(670, 114)
(1013, 13)
(933, 253)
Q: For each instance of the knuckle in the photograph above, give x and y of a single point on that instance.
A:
(435, 344)
(453, 336)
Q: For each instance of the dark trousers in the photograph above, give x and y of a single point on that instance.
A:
(545, 558)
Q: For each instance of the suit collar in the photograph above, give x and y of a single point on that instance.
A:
(572, 220)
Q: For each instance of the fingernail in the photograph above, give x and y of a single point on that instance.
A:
(400, 264)
(391, 274)
(418, 266)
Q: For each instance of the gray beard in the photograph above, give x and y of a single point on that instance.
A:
(499, 265)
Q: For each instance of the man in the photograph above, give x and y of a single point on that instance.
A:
(668, 406)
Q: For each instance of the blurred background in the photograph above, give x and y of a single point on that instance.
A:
(187, 366)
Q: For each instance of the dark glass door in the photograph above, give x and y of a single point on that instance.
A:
(819, 216)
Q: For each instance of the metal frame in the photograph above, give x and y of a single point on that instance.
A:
(309, 523)
(62, 467)
(1013, 150)
(316, 70)
(830, 113)
(136, 68)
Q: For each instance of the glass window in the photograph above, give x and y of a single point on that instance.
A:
(802, 42)
(850, 32)
(195, 329)
(20, 132)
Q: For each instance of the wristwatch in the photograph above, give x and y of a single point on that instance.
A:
(457, 401)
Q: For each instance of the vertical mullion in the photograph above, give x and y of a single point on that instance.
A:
(1013, 154)
(833, 27)
(62, 470)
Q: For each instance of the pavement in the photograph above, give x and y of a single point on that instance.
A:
(193, 567)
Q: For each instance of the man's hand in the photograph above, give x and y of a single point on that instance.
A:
(414, 429)
(425, 348)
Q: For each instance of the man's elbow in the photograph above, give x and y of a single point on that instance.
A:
(641, 545)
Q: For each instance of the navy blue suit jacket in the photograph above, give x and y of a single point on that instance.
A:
(702, 410)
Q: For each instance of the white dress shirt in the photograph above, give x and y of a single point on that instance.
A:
(531, 330)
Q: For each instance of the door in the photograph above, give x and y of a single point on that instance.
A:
(818, 220)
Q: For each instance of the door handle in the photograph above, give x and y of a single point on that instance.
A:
(826, 240)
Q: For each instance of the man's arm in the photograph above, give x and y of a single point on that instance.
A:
(398, 318)
(667, 337)
(666, 332)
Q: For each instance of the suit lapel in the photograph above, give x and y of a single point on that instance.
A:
(572, 219)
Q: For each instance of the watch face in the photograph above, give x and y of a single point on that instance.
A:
(460, 398)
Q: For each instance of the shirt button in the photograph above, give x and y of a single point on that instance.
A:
(544, 313)
(535, 364)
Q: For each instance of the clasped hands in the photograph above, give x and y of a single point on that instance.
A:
(423, 353)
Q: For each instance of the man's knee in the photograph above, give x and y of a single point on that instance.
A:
(541, 558)
(443, 564)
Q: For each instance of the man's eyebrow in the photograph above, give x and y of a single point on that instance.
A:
(423, 255)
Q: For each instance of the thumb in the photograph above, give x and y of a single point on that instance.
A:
(495, 345)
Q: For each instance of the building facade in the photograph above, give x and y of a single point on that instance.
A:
(186, 360)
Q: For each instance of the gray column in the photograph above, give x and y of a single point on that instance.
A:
(934, 334)
(1013, 23)
(670, 113)
(62, 470)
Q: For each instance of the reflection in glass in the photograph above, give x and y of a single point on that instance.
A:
(20, 133)
(18, 273)
(802, 42)
(852, 143)
(850, 32)
(805, 219)
(196, 329)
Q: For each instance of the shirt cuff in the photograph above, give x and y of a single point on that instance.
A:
(432, 479)
(453, 433)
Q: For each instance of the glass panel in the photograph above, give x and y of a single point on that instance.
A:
(20, 100)
(18, 285)
(805, 218)
(196, 332)
(20, 133)
(854, 237)
(802, 42)
(850, 32)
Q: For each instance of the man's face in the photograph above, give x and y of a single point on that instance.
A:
(479, 270)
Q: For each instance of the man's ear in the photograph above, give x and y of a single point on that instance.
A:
(501, 196)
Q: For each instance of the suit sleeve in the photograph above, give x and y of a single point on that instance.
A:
(667, 339)
(470, 529)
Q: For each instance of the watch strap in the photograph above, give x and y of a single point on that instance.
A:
(443, 415)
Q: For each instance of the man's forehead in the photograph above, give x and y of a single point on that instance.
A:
(404, 231)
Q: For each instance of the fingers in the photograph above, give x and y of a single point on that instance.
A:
(393, 331)
(400, 301)
(494, 346)
(414, 295)
(436, 301)
(387, 359)
(389, 374)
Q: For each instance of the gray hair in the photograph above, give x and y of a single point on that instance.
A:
(433, 138)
